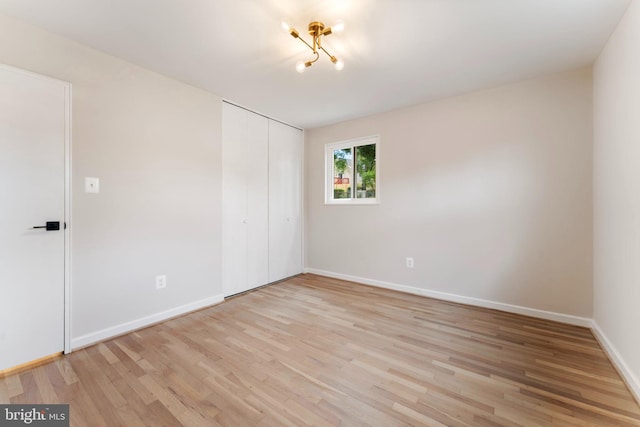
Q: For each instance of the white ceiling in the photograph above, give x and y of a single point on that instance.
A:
(397, 52)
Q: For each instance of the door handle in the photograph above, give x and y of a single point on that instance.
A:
(50, 226)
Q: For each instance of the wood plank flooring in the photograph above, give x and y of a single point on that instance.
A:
(313, 351)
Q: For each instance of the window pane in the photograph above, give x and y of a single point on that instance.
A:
(342, 173)
(366, 171)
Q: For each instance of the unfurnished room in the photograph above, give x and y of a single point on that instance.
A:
(319, 213)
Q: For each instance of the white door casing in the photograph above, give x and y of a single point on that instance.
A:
(34, 188)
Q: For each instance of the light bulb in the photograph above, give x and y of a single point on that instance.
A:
(339, 64)
(285, 26)
(300, 67)
(337, 27)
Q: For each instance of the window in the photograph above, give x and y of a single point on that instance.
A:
(352, 171)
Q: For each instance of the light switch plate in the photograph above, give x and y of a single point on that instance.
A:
(91, 185)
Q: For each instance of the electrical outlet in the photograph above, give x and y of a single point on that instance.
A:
(161, 282)
(409, 262)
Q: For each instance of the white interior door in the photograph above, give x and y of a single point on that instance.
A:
(245, 197)
(257, 160)
(33, 135)
(285, 201)
(234, 199)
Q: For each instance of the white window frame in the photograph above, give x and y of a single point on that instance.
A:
(329, 172)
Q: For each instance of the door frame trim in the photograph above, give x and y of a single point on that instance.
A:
(67, 195)
(67, 216)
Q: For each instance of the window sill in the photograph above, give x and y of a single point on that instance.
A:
(351, 202)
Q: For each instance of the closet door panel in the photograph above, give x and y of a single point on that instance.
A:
(257, 172)
(234, 199)
(285, 201)
(262, 200)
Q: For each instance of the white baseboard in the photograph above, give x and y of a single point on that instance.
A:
(533, 312)
(127, 327)
(625, 372)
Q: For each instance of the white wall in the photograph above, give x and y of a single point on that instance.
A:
(490, 192)
(617, 194)
(155, 145)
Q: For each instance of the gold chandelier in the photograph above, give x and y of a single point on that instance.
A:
(317, 30)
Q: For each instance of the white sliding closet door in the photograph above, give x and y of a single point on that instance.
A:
(257, 201)
(285, 201)
(245, 193)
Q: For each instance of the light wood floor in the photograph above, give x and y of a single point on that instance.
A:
(323, 352)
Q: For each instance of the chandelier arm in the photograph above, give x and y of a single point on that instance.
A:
(325, 51)
(317, 57)
(305, 42)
